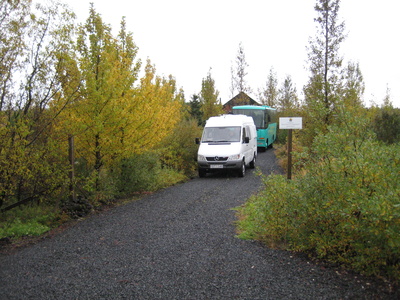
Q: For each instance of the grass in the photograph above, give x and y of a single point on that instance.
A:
(29, 221)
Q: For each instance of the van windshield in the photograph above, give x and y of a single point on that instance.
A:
(221, 134)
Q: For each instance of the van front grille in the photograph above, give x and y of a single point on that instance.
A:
(217, 158)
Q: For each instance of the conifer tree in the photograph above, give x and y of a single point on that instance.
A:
(195, 109)
(269, 95)
(287, 99)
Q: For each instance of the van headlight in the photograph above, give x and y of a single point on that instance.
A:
(234, 157)
(201, 157)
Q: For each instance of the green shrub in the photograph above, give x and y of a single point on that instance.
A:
(168, 177)
(179, 151)
(138, 173)
(265, 215)
(143, 173)
(344, 208)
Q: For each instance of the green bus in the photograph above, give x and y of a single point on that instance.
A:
(265, 120)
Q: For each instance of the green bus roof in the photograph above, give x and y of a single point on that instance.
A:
(256, 107)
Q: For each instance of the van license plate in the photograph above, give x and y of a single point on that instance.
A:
(216, 166)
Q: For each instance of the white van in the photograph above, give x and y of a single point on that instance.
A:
(228, 142)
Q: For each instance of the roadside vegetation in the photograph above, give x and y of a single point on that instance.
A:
(79, 128)
(343, 203)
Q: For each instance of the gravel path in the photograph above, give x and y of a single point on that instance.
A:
(178, 243)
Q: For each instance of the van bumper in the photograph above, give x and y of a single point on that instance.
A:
(215, 166)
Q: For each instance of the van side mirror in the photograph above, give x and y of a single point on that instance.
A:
(246, 140)
(197, 140)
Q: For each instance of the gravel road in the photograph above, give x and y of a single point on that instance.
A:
(178, 243)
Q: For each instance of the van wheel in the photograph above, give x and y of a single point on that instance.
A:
(242, 170)
(253, 162)
(202, 173)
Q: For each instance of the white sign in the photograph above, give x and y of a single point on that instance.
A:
(291, 123)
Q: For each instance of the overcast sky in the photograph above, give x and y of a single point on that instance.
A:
(185, 38)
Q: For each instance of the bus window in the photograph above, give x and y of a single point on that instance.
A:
(257, 115)
(267, 119)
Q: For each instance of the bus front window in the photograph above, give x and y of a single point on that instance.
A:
(257, 115)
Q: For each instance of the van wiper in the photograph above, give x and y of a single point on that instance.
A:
(220, 141)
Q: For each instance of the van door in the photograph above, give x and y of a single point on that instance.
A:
(247, 151)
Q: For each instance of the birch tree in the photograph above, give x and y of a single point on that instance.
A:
(36, 41)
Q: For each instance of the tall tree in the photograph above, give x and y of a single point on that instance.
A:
(322, 92)
(210, 105)
(98, 58)
(239, 72)
(325, 61)
(109, 71)
(269, 96)
(116, 117)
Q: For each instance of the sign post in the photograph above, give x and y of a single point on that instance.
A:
(290, 123)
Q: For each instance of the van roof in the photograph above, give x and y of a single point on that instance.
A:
(229, 120)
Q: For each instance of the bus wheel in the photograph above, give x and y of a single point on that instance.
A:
(242, 170)
(270, 146)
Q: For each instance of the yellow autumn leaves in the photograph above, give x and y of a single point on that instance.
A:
(116, 115)
(82, 82)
